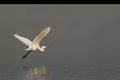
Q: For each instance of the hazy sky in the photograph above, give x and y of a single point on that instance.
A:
(82, 33)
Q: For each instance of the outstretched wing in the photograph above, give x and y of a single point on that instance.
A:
(23, 39)
(42, 34)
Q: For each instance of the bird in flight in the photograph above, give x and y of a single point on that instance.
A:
(34, 45)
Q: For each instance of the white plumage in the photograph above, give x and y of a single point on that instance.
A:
(23, 39)
(33, 45)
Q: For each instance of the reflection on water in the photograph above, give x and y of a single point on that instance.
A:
(59, 71)
(32, 73)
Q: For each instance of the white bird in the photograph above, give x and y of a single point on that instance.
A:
(34, 45)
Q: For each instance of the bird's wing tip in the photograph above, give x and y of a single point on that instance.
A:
(15, 34)
(48, 27)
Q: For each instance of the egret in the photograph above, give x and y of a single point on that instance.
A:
(34, 45)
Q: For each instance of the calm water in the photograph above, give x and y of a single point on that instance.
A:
(84, 42)
(60, 71)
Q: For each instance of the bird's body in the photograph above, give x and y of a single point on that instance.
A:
(34, 45)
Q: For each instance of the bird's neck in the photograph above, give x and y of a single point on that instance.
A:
(41, 49)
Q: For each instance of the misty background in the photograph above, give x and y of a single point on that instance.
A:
(80, 34)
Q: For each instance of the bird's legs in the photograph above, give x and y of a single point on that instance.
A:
(23, 57)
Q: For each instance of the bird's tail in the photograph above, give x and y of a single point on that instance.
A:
(23, 57)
